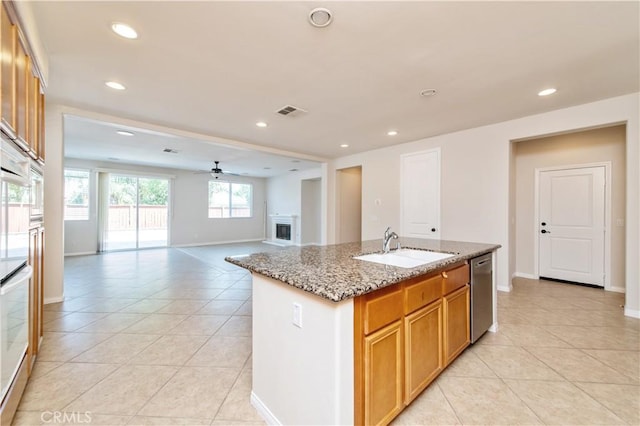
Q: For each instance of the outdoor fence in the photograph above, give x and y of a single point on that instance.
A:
(123, 217)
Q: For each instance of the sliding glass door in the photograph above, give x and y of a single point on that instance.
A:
(137, 213)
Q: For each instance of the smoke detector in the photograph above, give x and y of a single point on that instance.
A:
(320, 17)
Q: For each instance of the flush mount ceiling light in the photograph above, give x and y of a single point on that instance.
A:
(124, 133)
(392, 132)
(320, 17)
(547, 92)
(124, 30)
(261, 124)
(344, 145)
(428, 92)
(115, 85)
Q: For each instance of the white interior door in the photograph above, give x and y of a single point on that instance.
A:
(572, 224)
(420, 194)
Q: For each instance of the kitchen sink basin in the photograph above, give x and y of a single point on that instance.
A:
(405, 258)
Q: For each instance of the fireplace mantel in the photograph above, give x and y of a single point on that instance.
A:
(283, 219)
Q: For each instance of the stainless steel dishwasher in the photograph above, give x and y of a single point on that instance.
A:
(481, 295)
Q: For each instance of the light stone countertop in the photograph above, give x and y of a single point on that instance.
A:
(332, 273)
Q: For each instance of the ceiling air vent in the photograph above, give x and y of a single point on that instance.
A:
(291, 111)
(170, 151)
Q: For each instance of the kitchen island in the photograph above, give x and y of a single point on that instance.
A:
(330, 330)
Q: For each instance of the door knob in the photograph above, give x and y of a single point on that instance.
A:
(544, 231)
(433, 229)
(544, 224)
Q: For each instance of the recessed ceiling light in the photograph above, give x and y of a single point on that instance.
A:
(295, 161)
(344, 145)
(392, 132)
(124, 133)
(320, 17)
(428, 92)
(547, 92)
(115, 85)
(267, 168)
(293, 170)
(261, 124)
(124, 30)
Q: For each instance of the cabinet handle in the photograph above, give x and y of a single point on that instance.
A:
(444, 275)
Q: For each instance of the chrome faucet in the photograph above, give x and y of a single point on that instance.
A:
(388, 235)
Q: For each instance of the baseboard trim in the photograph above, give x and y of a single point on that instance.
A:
(616, 289)
(216, 243)
(524, 275)
(263, 410)
(506, 289)
(494, 327)
(633, 313)
(82, 253)
(48, 300)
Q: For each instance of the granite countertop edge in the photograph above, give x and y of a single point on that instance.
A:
(331, 272)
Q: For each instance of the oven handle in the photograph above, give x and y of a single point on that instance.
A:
(22, 276)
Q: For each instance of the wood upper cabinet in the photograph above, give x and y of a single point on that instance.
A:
(41, 144)
(8, 33)
(33, 92)
(423, 349)
(456, 323)
(383, 375)
(20, 66)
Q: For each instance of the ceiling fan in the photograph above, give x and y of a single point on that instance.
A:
(216, 172)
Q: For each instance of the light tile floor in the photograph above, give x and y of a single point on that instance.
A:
(159, 337)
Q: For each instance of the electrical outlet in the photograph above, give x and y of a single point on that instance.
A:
(297, 315)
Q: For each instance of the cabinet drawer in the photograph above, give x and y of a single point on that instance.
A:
(455, 278)
(422, 293)
(383, 309)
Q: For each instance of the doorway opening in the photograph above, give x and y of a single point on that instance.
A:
(135, 212)
(585, 148)
(349, 205)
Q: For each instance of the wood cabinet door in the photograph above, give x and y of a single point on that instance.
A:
(423, 349)
(20, 63)
(383, 375)
(456, 323)
(41, 143)
(7, 52)
(33, 92)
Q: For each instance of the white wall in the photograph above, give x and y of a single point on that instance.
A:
(476, 180)
(311, 200)
(188, 221)
(54, 205)
(190, 224)
(592, 146)
(284, 197)
(310, 392)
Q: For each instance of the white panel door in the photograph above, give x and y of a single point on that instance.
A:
(420, 194)
(571, 229)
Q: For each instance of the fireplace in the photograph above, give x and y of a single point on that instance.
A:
(283, 231)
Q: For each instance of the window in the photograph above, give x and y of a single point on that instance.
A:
(228, 199)
(76, 194)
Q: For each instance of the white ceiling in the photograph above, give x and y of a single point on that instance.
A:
(216, 68)
(99, 140)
